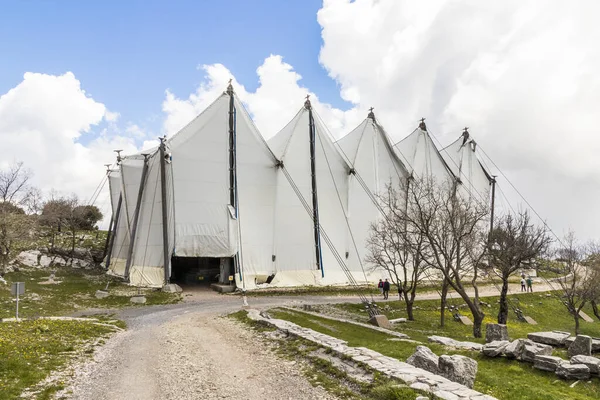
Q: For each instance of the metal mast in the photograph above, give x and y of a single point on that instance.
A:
(163, 196)
(315, 198)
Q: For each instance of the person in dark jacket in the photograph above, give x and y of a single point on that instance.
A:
(380, 286)
(386, 289)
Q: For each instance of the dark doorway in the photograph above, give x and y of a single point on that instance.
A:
(195, 270)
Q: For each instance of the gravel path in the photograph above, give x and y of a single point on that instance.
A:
(194, 356)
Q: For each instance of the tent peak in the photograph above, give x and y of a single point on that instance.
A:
(119, 158)
(230, 87)
(465, 135)
(307, 104)
(371, 114)
(422, 125)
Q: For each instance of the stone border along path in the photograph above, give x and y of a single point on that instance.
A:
(416, 378)
(401, 336)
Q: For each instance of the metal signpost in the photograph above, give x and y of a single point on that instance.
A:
(18, 288)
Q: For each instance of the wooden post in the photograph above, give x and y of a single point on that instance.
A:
(163, 196)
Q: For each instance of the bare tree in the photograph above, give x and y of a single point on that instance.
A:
(17, 232)
(15, 185)
(393, 249)
(579, 283)
(514, 242)
(455, 237)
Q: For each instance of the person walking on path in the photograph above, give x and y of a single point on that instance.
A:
(529, 284)
(522, 284)
(386, 289)
(380, 286)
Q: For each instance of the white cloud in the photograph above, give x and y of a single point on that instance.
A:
(41, 120)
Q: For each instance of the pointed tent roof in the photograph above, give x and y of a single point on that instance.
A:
(421, 156)
(462, 159)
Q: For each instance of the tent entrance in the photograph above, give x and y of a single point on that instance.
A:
(197, 270)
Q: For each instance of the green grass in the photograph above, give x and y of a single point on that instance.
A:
(499, 377)
(30, 350)
(75, 292)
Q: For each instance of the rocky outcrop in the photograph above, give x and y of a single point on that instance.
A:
(573, 371)
(592, 363)
(459, 369)
(581, 346)
(495, 332)
(495, 349)
(554, 338)
(455, 343)
(547, 363)
(424, 358)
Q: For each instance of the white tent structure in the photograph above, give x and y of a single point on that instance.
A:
(216, 199)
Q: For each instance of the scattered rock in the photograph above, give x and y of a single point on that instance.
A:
(573, 371)
(172, 288)
(494, 349)
(554, 338)
(381, 321)
(458, 369)
(595, 343)
(495, 332)
(101, 294)
(515, 349)
(592, 363)
(533, 349)
(547, 363)
(455, 343)
(424, 358)
(582, 345)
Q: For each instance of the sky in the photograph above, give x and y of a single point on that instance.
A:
(80, 79)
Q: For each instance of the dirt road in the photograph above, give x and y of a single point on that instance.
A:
(187, 351)
(195, 355)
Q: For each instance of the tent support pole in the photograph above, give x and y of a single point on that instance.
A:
(112, 232)
(233, 200)
(492, 206)
(136, 217)
(163, 196)
(315, 199)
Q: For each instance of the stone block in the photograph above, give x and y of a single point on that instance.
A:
(495, 332)
(592, 363)
(533, 349)
(398, 320)
(547, 363)
(101, 294)
(515, 349)
(425, 359)
(459, 369)
(573, 371)
(530, 320)
(585, 317)
(455, 343)
(494, 349)
(172, 288)
(465, 320)
(581, 346)
(138, 299)
(554, 338)
(381, 321)
(595, 343)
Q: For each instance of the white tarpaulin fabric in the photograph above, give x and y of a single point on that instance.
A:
(422, 158)
(369, 152)
(462, 159)
(131, 173)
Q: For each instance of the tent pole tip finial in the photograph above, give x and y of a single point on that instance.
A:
(422, 125)
(307, 104)
(230, 87)
(371, 114)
